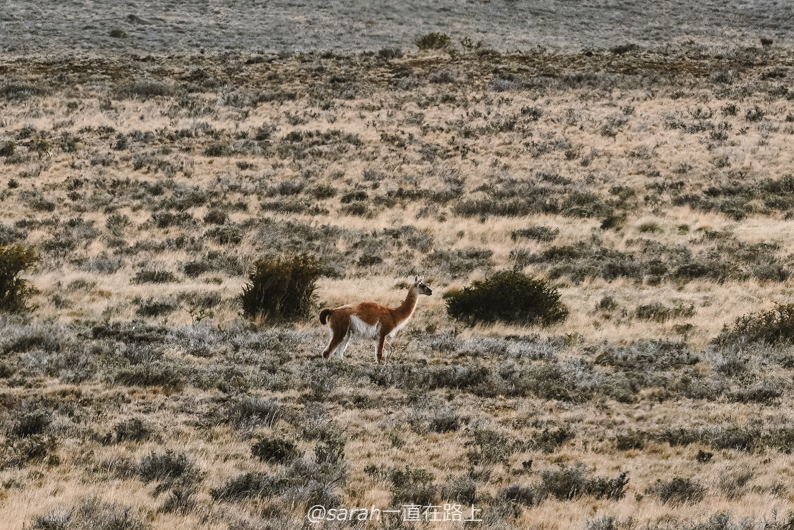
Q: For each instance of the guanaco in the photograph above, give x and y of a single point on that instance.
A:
(370, 320)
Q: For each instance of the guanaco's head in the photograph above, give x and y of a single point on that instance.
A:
(421, 288)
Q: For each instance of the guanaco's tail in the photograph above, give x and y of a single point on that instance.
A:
(324, 314)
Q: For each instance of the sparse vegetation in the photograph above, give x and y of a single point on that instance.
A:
(638, 191)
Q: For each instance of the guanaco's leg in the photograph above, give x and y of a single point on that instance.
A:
(381, 341)
(336, 340)
(339, 332)
(389, 348)
(340, 350)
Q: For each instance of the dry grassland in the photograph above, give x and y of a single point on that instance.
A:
(653, 188)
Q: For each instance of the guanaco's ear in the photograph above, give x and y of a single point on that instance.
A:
(422, 279)
(416, 280)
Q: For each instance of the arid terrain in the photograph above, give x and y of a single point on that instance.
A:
(652, 186)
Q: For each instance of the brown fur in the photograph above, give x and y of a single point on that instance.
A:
(383, 319)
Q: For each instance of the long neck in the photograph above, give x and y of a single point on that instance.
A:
(407, 307)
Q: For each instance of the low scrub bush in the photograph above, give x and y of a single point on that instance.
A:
(31, 423)
(537, 233)
(275, 450)
(462, 490)
(433, 41)
(571, 482)
(250, 412)
(133, 429)
(15, 291)
(522, 495)
(281, 289)
(488, 447)
(678, 491)
(249, 485)
(658, 312)
(548, 441)
(151, 374)
(169, 469)
(773, 326)
(153, 276)
(413, 486)
(511, 297)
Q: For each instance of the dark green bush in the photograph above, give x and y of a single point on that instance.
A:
(275, 450)
(7, 149)
(433, 41)
(281, 289)
(508, 296)
(14, 291)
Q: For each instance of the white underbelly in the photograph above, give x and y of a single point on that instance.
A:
(362, 329)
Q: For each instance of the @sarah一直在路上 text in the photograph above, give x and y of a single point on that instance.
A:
(409, 512)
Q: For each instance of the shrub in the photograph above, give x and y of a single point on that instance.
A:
(250, 411)
(489, 448)
(462, 490)
(571, 482)
(548, 441)
(281, 289)
(459, 262)
(658, 312)
(631, 440)
(538, 233)
(275, 450)
(133, 429)
(14, 291)
(7, 149)
(216, 217)
(156, 308)
(433, 41)
(678, 491)
(169, 469)
(522, 495)
(413, 486)
(508, 296)
(607, 303)
(445, 421)
(150, 374)
(31, 424)
(153, 276)
(773, 326)
(249, 485)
